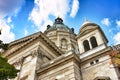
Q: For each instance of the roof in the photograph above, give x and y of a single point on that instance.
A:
(58, 24)
(87, 24)
(28, 39)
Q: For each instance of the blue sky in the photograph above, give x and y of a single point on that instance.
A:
(20, 18)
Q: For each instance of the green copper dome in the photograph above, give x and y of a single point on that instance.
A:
(58, 24)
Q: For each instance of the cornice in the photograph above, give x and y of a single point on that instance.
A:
(63, 59)
(34, 37)
(51, 44)
(22, 46)
(97, 54)
(85, 32)
(24, 39)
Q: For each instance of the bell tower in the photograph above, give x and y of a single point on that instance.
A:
(90, 39)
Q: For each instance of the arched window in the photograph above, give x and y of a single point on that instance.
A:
(93, 42)
(86, 45)
(63, 43)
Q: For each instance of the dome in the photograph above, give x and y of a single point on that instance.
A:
(58, 24)
(87, 25)
(86, 22)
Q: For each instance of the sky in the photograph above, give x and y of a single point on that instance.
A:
(19, 18)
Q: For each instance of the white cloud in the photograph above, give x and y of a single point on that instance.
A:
(106, 21)
(75, 8)
(6, 35)
(118, 23)
(9, 20)
(8, 8)
(25, 32)
(116, 38)
(44, 8)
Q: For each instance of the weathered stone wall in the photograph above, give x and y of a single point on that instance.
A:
(67, 69)
(101, 68)
(28, 69)
(56, 36)
(26, 59)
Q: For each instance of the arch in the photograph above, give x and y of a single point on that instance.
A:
(63, 43)
(102, 78)
(86, 45)
(93, 42)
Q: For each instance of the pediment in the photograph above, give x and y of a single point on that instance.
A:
(39, 41)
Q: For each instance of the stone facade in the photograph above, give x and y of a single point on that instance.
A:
(65, 67)
(98, 66)
(60, 54)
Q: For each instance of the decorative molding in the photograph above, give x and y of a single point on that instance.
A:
(42, 36)
(24, 39)
(19, 62)
(34, 53)
(58, 61)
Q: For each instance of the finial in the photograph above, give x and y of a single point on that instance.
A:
(58, 16)
(58, 20)
(58, 13)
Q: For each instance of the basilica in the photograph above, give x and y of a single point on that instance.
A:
(60, 54)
